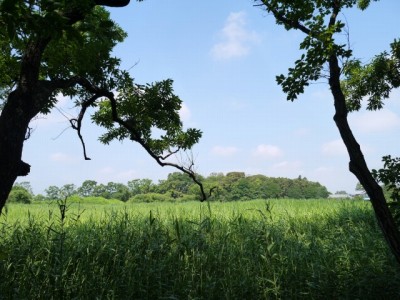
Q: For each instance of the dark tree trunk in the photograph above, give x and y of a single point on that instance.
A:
(21, 106)
(358, 165)
(14, 121)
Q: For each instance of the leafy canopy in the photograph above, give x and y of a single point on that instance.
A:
(77, 62)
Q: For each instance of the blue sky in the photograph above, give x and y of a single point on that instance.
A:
(223, 57)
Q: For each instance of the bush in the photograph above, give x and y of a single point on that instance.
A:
(20, 195)
(39, 198)
(92, 200)
(151, 197)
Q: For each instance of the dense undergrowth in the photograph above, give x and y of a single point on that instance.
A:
(279, 249)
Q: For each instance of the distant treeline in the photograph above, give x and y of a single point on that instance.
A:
(233, 186)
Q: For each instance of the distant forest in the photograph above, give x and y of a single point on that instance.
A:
(234, 186)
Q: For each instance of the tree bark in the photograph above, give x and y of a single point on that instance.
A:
(358, 165)
(14, 123)
(21, 106)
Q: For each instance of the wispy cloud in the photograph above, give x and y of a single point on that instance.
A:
(224, 151)
(236, 40)
(185, 113)
(375, 121)
(267, 151)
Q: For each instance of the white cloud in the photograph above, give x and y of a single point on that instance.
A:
(224, 151)
(334, 148)
(185, 113)
(268, 151)
(235, 38)
(375, 121)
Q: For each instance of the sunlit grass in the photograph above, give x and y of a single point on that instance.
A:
(283, 249)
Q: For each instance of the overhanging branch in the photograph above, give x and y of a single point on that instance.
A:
(280, 17)
(135, 135)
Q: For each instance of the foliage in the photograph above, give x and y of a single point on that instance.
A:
(318, 45)
(374, 81)
(389, 175)
(321, 22)
(53, 193)
(233, 186)
(150, 197)
(20, 195)
(140, 186)
(64, 48)
(144, 108)
(298, 250)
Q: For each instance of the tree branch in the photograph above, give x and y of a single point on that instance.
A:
(280, 17)
(135, 135)
(77, 123)
(112, 3)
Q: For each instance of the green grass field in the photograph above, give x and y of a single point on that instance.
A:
(277, 249)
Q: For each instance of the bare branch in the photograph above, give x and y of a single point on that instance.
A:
(77, 123)
(170, 153)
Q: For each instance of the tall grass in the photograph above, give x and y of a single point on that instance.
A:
(280, 249)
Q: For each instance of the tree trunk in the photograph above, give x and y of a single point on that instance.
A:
(14, 121)
(21, 106)
(358, 165)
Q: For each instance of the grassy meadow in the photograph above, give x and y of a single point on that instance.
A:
(276, 249)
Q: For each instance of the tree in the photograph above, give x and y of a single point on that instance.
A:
(26, 185)
(87, 188)
(68, 190)
(53, 193)
(319, 21)
(176, 183)
(117, 191)
(140, 186)
(19, 194)
(64, 47)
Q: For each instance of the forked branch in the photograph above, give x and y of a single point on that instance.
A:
(130, 126)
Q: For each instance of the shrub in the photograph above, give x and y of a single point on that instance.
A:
(151, 197)
(39, 198)
(20, 195)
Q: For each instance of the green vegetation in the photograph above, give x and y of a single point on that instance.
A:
(52, 48)
(233, 186)
(20, 195)
(350, 82)
(276, 249)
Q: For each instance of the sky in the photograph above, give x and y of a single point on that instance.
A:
(223, 57)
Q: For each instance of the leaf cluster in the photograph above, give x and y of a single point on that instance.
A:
(314, 18)
(373, 81)
(80, 49)
(389, 175)
(147, 110)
